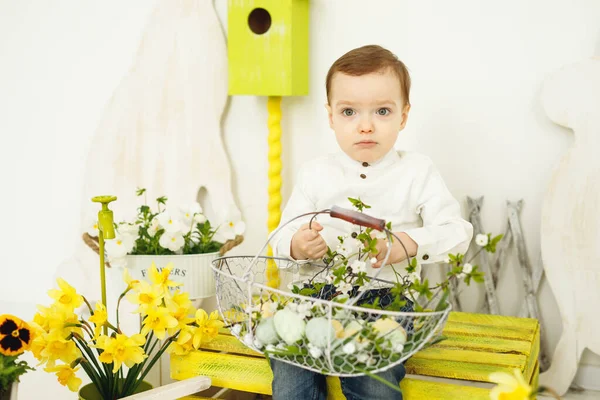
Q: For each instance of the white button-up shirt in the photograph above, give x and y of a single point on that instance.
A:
(403, 188)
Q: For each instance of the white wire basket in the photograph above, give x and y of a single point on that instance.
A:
(350, 335)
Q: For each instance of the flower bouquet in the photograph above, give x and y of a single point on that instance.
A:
(115, 362)
(181, 236)
(15, 338)
(340, 321)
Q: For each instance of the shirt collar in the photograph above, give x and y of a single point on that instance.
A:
(389, 159)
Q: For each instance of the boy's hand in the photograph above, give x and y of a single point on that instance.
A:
(308, 243)
(397, 251)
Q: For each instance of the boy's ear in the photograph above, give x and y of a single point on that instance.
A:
(405, 111)
(329, 115)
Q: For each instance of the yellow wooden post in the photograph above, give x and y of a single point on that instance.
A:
(268, 56)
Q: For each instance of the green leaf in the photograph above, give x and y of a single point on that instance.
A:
(140, 191)
(162, 200)
(443, 303)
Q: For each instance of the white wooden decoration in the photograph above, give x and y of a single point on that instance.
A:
(570, 228)
(161, 130)
(490, 265)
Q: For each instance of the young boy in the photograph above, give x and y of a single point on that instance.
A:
(368, 104)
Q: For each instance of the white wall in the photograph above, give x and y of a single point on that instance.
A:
(477, 67)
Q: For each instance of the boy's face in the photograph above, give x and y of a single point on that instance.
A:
(366, 112)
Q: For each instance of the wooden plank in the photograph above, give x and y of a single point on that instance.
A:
(250, 374)
(533, 366)
(416, 389)
(500, 321)
(455, 370)
(471, 357)
(483, 343)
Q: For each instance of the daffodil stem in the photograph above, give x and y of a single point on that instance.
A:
(89, 305)
(135, 370)
(87, 364)
(86, 351)
(155, 359)
(119, 304)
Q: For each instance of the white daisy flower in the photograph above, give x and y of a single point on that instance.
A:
(169, 222)
(154, 227)
(481, 239)
(119, 246)
(467, 268)
(358, 266)
(172, 240)
(345, 287)
(188, 212)
(92, 227)
(232, 224)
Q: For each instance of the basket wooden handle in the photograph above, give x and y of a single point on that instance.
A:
(357, 218)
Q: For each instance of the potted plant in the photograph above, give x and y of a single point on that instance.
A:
(15, 339)
(116, 361)
(180, 236)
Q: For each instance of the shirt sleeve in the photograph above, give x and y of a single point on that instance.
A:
(299, 203)
(444, 231)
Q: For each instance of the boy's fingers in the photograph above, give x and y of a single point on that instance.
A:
(316, 226)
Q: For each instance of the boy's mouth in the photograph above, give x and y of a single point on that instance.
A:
(366, 143)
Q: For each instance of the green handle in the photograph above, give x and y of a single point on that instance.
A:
(106, 229)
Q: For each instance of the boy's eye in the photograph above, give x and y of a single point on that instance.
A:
(348, 112)
(383, 111)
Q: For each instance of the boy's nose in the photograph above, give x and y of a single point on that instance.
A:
(365, 126)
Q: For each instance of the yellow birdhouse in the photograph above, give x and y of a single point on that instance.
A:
(268, 47)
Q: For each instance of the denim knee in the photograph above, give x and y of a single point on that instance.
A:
(294, 383)
(365, 387)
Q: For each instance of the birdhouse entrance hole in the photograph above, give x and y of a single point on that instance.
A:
(259, 21)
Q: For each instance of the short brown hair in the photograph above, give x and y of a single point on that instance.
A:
(366, 60)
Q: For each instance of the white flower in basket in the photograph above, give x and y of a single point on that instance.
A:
(179, 237)
(340, 321)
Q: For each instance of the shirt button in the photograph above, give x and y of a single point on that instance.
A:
(365, 164)
(363, 176)
(425, 256)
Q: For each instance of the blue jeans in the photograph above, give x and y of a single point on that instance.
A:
(295, 383)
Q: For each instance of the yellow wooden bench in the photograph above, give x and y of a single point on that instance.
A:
(476, 346)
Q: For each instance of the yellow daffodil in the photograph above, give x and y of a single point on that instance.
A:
(131, 283)
(161, 278)
(183, 345)
(66, 376)
(181, 309)
(146, 295)
(510, 386)
(99, 317)
(58, 348)
(122, 350)
(39, 340)
(208, 327)
(59, 318)
(15, 335)
(66, 296)
(158, 320)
